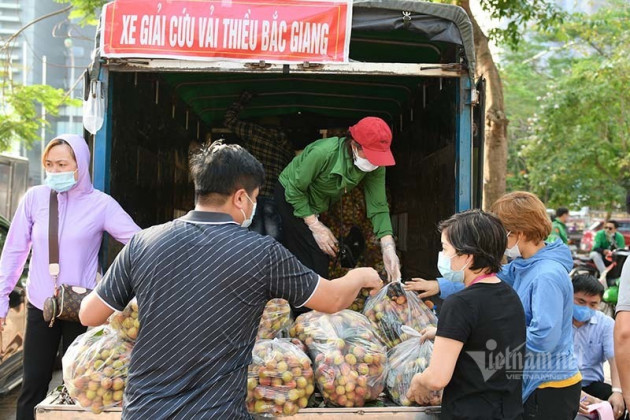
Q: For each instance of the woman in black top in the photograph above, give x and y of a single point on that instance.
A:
(480, 339)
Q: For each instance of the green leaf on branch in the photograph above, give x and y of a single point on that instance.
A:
(20, 118)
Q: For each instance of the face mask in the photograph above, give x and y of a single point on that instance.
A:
(444, 265)
(60, 181)
(513, 252)
(582, 313)
(362, 163)
(248, 221)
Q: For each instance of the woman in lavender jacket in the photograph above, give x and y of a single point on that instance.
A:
(84, 215)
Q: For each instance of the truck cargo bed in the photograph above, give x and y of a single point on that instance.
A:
(52, 409)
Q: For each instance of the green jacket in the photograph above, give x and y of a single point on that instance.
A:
(558, 230)
(323, 172)
(601, 241)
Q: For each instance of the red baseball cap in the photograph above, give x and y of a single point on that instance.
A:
(375, 138)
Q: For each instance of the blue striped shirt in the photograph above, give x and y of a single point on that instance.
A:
(201, 282)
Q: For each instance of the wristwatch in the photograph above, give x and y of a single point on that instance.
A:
(618, 390)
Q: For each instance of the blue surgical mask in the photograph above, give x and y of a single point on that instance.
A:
(60, 181)
(444, 265)
(248, 221)
(582, 313)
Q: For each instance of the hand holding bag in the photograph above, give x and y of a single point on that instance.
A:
(65, 302)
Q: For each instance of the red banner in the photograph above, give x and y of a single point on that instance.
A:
(279, 31)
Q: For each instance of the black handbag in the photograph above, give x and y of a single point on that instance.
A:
(351, 246)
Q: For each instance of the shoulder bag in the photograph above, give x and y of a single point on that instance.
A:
(65, 302)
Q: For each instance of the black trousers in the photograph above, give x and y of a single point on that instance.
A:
(600, 390)
(298, 238)
(267, 221)
(553, 403)
(40, 350)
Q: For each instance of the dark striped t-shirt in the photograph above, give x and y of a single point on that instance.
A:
(202, 282)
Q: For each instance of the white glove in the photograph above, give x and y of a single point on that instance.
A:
(324, 237)
(390, 259)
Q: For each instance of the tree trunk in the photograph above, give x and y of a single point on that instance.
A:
(495, 145)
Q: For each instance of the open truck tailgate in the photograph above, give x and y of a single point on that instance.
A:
(51, 409)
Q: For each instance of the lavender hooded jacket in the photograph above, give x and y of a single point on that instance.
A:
(84, 214)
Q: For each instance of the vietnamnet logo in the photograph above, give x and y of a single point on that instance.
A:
(518, 363)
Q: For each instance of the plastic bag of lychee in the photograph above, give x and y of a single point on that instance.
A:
(350, 360)
(275, 320)
(126, 322)
(406, 360)
(391, 308)
(95, 369)
(280, 378)
(359, 302)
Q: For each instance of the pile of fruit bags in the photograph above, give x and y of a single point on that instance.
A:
(350, 360)
(280, 378)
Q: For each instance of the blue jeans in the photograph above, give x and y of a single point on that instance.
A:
(267, 220)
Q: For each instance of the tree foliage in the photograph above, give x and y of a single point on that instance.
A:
(519, 14)
(21, 117)
(85, 11)
(20, 113)
(572, 146)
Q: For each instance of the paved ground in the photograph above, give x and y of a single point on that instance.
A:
(8, 401)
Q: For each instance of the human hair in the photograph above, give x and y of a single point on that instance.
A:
(561, 211)
(349, 141)
(477, 233)
(588, 284)
(613, 222)
(219, 170)
(53, 143)
(522, 211)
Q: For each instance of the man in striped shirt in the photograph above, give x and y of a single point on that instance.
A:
(202, 282)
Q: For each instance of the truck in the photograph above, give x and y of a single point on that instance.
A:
(13, 183)
(410, 63)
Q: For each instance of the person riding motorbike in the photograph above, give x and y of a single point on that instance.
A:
(606, 241)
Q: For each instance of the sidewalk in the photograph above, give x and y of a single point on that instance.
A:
(8, 402)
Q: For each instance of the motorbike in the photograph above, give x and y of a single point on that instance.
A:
(609, 277)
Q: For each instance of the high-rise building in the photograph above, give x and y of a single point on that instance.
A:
(580, 6)
(54, 51)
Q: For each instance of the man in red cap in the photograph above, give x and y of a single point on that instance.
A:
(320, 175)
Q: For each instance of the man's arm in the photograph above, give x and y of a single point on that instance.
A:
(616, 398)
(94, 311)
(622, 353)
(621, 241)
(332, 296)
